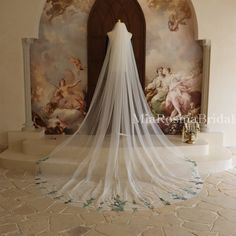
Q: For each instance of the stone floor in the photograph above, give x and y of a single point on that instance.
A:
(24, 211)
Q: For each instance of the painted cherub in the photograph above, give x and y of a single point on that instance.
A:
(58, 7)
(65, 98)
(77, 63)
(179, 17)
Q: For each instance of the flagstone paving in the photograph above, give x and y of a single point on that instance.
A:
(24, 211)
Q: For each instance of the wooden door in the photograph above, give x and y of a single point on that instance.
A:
(102, 18)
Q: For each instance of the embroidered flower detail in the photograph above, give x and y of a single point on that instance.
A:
(178, 197)
(42, 160)
(190, 191)
(149, 205)
(193, 162)
(68, 201)
(118, 204)
(164, 201)
(88, 202)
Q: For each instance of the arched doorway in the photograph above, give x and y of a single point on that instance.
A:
(102, 18)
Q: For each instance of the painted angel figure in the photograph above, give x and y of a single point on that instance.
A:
(65, 98)
(77, 63)
(58, 7)
(179, 17)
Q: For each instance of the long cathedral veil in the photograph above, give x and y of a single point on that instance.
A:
(119, 162)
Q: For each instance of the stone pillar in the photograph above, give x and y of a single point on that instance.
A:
(205, 80)
(26, 43)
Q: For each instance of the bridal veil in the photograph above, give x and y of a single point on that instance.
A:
(119, 162)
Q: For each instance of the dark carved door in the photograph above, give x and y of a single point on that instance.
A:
(102, 18)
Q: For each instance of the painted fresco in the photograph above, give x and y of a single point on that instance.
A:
(59, 70)
(58, 67)
(173, 63)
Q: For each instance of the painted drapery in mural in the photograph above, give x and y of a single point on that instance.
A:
(59, 70)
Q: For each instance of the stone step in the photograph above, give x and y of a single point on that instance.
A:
(15, 160)
(219, 159)
(42, 147)
(12, 160)
(24, 152)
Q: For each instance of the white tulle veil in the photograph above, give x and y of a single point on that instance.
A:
(118, 162)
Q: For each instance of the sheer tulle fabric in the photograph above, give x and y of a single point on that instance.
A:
(118, 161)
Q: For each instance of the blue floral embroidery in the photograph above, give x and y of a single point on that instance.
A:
(149, 205)
(42, 160)
(89, 202)
(178, 197)
(193, 162)
(68, 201)
(190, 191)
(118, 204)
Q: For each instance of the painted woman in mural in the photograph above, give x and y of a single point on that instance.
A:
(157, 90)
(181, 98)
(178, 96)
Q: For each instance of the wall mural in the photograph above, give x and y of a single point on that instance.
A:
(59, 70)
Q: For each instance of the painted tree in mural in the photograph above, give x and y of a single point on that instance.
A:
(59, 70)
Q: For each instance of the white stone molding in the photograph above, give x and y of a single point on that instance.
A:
(205, 80)
(26, 43)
